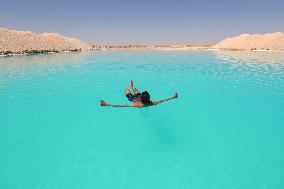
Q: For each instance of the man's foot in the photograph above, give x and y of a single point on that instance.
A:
(131, 83)
(133, 88)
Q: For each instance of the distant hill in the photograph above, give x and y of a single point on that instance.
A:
(12, 41)
(269, 41)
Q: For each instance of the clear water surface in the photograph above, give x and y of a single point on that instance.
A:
(226, 130)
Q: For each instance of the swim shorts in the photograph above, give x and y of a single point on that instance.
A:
(133, 97)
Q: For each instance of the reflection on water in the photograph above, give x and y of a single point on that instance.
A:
(12, 66)
(243, 67)
(274, 58)
(265, 68)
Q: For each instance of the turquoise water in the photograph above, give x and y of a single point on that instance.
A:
(226, 130)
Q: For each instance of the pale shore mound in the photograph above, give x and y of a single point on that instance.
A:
(269, 41)
(12, 41)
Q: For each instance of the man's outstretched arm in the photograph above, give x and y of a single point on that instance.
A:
(103, 103)
(166, 99)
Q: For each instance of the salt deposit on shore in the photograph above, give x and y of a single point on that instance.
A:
(19, 42)
(150, 47)
(12, 41)
(269, 41)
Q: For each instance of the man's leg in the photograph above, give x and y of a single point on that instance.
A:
(127, 93)
(133, 88)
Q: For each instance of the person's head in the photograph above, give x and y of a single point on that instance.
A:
(145, 98)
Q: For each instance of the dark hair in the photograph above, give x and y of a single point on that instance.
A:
(145, 98)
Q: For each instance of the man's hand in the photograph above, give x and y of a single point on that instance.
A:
(175, 95)
(103, 103)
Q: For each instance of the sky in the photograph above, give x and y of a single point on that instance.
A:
(105, 22)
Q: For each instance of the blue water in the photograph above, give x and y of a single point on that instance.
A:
(226, 129)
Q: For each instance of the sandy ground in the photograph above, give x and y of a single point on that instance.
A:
(151, 47)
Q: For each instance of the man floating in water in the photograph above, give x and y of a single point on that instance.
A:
(138, 99)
